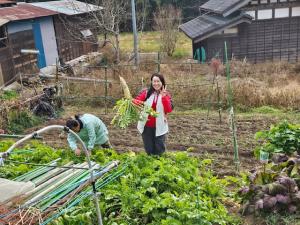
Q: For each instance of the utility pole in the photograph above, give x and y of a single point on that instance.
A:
(135, 36)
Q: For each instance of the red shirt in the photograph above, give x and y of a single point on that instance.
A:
(166, 101)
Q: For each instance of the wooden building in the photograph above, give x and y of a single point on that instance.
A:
(24, 27)
(258, 30)
(74, 38)
(40, 27)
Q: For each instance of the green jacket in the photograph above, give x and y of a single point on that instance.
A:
(93, 132)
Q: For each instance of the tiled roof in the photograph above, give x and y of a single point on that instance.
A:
(205, 26)
(224, 7)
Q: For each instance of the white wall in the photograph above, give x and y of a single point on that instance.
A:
(296, 11)
(264, 14)
(49, 41)
(282, 12)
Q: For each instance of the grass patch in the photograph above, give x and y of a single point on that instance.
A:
(8, 95)
(21, 120)
(150, 42)
(266, 109)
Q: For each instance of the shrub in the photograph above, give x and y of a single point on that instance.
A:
(281, 138)
(21, 120)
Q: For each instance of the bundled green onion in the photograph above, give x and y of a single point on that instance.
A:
(127, 112)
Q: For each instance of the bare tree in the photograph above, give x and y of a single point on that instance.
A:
(109, 19)
(167, 19)
(102, 17)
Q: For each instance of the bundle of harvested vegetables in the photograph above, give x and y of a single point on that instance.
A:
(128, 111)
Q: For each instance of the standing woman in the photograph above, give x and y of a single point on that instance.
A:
(154, 129)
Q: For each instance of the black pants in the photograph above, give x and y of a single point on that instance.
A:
(152, 144)
(107, 145)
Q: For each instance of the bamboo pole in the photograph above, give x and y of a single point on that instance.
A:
(52, 173)
(53, 186)
(231, 114)
(17, 136)
(210, 95)
(219, 102)
(82, 79)
(106, 91)
(158, 62)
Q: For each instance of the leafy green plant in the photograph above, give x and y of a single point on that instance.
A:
(82, 214)
(166, 190)
(128, 111)
(282, 138)
(171, 189)
(4, 145)
(8, 95)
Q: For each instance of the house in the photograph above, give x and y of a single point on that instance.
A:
(39, 34)
(258, 30)
(73, 36)
(25, 27)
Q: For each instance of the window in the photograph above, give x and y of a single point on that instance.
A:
(296, 11)
(273, 1)
(283, 0)
(251, 13)
(254, 2)
(263, 1)
(264, 14)
(86, 33)
(281, 13)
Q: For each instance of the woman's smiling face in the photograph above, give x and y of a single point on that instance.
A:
(156, 83)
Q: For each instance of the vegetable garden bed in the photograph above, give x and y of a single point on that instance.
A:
(173, 189)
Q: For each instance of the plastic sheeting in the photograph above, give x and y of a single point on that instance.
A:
(10, 189)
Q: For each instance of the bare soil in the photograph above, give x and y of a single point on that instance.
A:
(190, 131)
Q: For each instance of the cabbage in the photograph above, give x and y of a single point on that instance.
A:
(283, 199)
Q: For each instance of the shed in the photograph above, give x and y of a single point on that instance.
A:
(72, 40)
(258, 30)
(23, 26)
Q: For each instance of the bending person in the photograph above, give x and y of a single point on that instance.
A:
(90, 129)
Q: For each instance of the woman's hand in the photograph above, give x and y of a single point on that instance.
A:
(163, 91)
(77, 151)
(137, 102)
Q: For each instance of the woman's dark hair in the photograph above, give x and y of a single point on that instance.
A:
(71, 123)
(151, 89)
(77, 116)
(74, 123)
